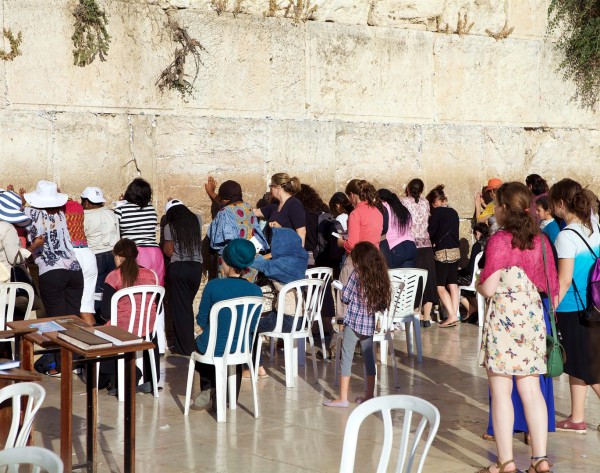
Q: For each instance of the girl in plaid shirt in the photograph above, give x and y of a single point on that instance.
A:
(368, 291)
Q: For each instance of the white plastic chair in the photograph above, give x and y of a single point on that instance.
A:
(140, 317)
(408, 447)
(307, 292)
(40, 458)
(470, 287)
(405, 311)
(325, 275)
(8, 297)
(22, 419)
(245, 314)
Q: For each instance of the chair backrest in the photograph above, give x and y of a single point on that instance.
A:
(245, 315)
(307, 293)
(8, 296)
(405, 303)
(324, 274)
(475, 268)
(384, 320)
(408, 446)
(40, 458)
(140, 322)
(19, 429)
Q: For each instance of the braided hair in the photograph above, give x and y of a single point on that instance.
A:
(185, 229)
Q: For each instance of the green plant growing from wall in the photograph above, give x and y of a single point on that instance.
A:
(578, 22)
(14, 45)
(174, 76)
(90, 37)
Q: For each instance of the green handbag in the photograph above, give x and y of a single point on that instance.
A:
(555, 352)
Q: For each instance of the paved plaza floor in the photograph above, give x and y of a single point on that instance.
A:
(295, 433)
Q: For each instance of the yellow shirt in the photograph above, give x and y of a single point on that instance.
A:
(487, 212)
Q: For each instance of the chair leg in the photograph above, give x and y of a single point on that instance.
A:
(390, 342)
(322, 333)
(253, 377)
(383, 349)
(409, 338)
(288, 354)
(221, 391)
(257, 354)
(417, 332)
(121, 379)
(153, 371)
(295, 358)
(480, 309)
(231, 382)
(188, 387)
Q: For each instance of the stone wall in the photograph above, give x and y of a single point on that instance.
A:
(376, 89)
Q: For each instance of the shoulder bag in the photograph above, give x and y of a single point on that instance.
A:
(555, 352)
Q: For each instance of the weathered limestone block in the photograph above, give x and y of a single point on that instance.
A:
(484, 14)
(97, 150)
(25, 147)
(417, 14)
(528, 17)
(503, 154)
(481, 80)
(355, 12)
(189, 149)
(376, 74)
(453, 157)
(388, 155)
(560, 152)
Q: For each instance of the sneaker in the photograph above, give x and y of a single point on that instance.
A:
(568, 425)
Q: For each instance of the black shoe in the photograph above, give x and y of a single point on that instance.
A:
(113, 392)
(144, 388)
(425, 323)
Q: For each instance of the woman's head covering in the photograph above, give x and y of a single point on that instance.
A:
(10, 209)
(46, 196)
(172, 203)
(239, 253)
(231, 191)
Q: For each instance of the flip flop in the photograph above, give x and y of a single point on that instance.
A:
(360, 400)
(451, 324)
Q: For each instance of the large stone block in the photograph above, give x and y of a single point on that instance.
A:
(484, 14)
(420, 14)
(355, 12)
(189, 149)
(373, 73)
(25, 148)
(503, 154)
(528, 17)
(480, 80)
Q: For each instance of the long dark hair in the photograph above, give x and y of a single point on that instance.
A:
(515, 197)
(185, 229)
(365, 192)
(576, 200)
(311, 200)
(373, 276)
(415, 188)
(341, 199)
(138, 192)
(129, 268)
(398, 209)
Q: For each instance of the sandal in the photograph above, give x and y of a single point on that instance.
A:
(488, 437)
(361, 399)
(450, 324)
(501, 467)
(536, 461)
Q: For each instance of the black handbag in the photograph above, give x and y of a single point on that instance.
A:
(20, 273)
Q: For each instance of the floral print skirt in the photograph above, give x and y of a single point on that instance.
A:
(514, 334)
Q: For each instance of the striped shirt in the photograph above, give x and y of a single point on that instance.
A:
(138, 223)
(357, 315)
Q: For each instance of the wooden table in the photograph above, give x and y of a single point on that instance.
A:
(89, 358)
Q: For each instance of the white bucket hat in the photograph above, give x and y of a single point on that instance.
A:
(46, 195)
(94, 195)
(172, 203)
(10, 209)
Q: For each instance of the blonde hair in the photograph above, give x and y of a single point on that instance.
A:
(289, 184)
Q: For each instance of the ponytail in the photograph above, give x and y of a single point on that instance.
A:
(129, 268)
(575, 198)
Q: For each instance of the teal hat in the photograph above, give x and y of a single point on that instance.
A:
(239, 253)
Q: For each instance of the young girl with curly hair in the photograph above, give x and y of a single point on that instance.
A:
(368, 291)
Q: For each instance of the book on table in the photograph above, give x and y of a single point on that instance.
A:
(83, 339)
(118, 336)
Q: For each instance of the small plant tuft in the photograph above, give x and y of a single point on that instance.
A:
(578, 22)
(14, 45)
(463, 26)
(504, 33)
(174, 76)
(90, 37)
